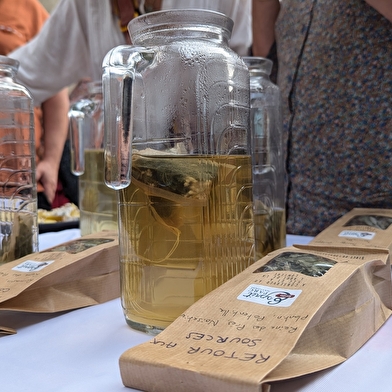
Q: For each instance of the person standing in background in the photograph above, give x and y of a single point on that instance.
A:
(73, 43)
(335, 76)
(20, 21)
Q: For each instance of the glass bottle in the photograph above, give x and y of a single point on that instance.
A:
(18, 191)
(97, 202)
(267, 159)
(177, 122)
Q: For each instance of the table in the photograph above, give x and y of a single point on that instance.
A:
(78, 351)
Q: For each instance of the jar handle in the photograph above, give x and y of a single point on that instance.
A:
(120, 68)
(78, 132)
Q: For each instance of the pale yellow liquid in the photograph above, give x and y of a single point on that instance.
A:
(173, 252)
(97, 202)
(270, 231)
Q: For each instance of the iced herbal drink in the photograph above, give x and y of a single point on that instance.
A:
(186, 227)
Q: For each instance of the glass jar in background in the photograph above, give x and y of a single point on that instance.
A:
(267, 159)
(177, 121)
(97, 202)
(18, 191)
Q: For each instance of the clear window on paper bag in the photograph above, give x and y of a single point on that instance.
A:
(303, 263)
(376, 221)
(78, 246)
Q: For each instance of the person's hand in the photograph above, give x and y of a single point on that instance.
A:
(47, 174)
(55, 124)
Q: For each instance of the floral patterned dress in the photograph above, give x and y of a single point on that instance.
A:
(335, 75)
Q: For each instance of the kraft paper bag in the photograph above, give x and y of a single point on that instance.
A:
(296, 311)
(360, 228)
(72, 275)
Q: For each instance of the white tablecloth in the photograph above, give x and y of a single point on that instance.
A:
(78, 351)
(48, 240)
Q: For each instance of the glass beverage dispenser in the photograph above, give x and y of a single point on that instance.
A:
(177, 149)
(267, 158)
(97, 202)
(18, 191)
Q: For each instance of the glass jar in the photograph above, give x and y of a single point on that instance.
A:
(97, 202)
(18, 191)
(177, 122)
(268, 169)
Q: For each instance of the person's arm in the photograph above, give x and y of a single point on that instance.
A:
(384, 7)
(55, 124)
(264, 15)
(58, 55)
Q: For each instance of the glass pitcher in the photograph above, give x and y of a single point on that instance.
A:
(18, 191)
(177, 122)
(267, 158)
(97, 202)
